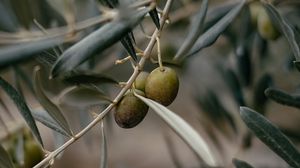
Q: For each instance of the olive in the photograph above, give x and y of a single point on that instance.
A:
(33, 153)
(130, 111)
(162, 85)
(266, 28)
(255, 8)
(140, 81)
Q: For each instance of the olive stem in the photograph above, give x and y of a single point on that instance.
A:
(161, 67)
(136, 72)
(121, 61)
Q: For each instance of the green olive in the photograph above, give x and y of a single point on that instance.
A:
(266, 28)
(130, 111)
(140, 81)
(33, 153)
(162, 85)
(255, 8)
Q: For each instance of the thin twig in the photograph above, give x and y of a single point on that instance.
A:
(137, 70)
(161, 67)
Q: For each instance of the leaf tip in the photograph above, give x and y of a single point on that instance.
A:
(268, 92)
(297, 65)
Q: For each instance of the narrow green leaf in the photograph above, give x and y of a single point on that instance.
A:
(283, 97)
(194, 32)
(234, 85)
(13, 54)
(271, 136)
(215, 13)
(8, 21)
(58, 140)
(49, 106)
(5, 160)
(88, 78)
(285, 28)
(96, 42)
(259, 98)
(212, 34)
(103, 154)
(244, 63)
(128, 38)
(241, 164)
(42, 116)
(79, 96)
(110, 3)
(22, 107)
(154, 16)
(184, 130)
(215, 110)
(27, 81)
(127, 43)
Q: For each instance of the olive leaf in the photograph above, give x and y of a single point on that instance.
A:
(215, 110)
(5, 160)
(194, 32)
(214, 14)
(128, 38)
(184, 130)
(43, 117)
(233, 84)
(8, 21)
(283, 97)
(48, 58)
(87, 78)
(24, 51)
(27, 81)
(49, 106)
(241, 164)
(286, 29)
(109, 3)
(154, 16)
(96, 42)
(271, 136)
(212, 34)
(261, 46)
(83, 96)
(127, 43)
(58, 140)
(244, 63)
(259, 98)
(103, 159)
(22, 107)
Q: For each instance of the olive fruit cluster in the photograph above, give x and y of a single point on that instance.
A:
(161, 85)
(261, 18)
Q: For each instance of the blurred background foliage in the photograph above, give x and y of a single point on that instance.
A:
(235, 71)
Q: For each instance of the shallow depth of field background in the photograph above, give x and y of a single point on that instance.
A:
(152, 143)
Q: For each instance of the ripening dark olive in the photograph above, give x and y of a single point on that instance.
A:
(162, 85)
(33, 153)
(265, 27)
(140, 81)
(130, 111)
